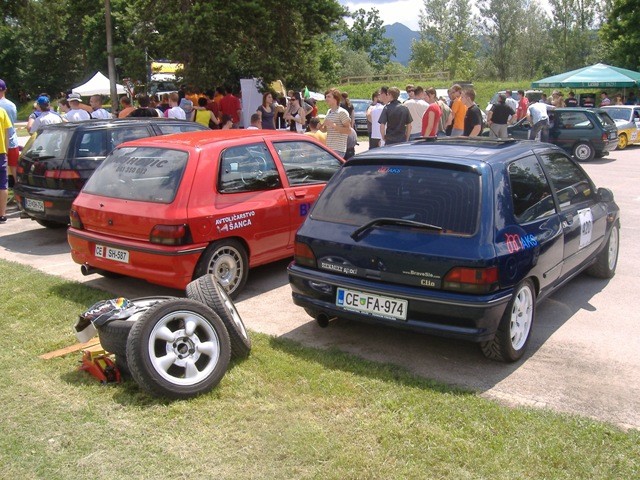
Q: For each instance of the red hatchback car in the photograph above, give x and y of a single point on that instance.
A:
(171, 209)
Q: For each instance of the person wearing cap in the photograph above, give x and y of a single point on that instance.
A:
(76, 114)
(46, 117)
(96, 104)
(13, 150)
(187, 106)
(6, 128)
(174, 110)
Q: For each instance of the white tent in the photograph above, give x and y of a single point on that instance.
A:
(98, 85)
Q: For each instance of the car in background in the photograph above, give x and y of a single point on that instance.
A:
(458, 237)
(171, 209)
(54, 167)
(627, 118)
(360, 107)
(586, 133)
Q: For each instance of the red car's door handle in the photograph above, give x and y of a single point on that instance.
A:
(300, 193)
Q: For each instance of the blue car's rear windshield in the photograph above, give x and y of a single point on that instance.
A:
(448, 198)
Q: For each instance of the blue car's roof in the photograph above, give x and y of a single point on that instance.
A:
(468, 151)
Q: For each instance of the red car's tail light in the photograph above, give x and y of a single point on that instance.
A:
(303, 255)
(74, 220)
(62, 174)
(169, 234)
(471, 280)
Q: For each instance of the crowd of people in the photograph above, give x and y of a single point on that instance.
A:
(390, 121)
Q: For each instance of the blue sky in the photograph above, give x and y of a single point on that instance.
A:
(402, 11)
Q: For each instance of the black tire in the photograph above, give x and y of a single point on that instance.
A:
(607, 259)
(227, 260)
(113, 335)
(123, 367)
(178, 349)
(50, 224)
(514, 331)
(208, 290)
(584, 151)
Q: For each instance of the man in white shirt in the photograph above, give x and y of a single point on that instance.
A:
(174, 110)
(373, 115)
(47, 117)
(417, 106)
(538, 118)
(76, 114)
(96, 104)
(510, 101)
(256, 122)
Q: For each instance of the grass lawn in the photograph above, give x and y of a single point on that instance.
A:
(286, 412)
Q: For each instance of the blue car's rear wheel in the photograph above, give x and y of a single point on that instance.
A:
(514, 331)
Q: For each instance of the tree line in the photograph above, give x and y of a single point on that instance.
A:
(49, 45)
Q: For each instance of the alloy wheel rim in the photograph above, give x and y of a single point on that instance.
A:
(184, 348)
(226, 266)
(521, 318)
(613, 248)
(233, 312)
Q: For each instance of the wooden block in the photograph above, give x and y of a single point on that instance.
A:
(70, 349)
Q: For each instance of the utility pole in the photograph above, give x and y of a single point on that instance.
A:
(110, 60)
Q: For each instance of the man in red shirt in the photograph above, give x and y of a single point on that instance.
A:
(523, 105)
(230, 105)
(431, 117)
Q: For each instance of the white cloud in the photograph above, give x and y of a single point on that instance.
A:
(401, 11)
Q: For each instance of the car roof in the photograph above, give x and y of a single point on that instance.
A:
(95, 123)
(619, 106)
(206, 137)
(463, 151)
(578, 109)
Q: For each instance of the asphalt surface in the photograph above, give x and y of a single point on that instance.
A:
(583, 357)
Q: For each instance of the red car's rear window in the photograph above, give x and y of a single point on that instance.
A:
(143, 174)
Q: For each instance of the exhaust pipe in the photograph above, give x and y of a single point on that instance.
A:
(86, 269)
(323, 320)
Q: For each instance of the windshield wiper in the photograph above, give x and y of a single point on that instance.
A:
(392, 221)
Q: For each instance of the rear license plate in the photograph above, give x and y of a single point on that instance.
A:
(34, 205)
(374, 305)
(112, 253)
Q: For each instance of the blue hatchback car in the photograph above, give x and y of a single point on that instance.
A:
(453, 237)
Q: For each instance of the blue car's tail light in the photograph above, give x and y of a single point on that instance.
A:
(303, 255)
(471, 280)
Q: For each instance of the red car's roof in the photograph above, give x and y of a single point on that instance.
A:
(200, 139)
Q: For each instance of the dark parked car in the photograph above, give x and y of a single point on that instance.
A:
(360, 107)
(453, 237)
(586, 133)
(56, 165)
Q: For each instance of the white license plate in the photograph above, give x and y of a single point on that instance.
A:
(112, 253)
(375, 305)
(34, 205)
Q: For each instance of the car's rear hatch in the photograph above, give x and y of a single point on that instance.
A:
(45, 165)
(132, 192)
(408, 223)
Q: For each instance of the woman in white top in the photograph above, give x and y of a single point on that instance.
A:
(296, 116)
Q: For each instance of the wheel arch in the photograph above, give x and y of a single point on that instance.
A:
(241, 240)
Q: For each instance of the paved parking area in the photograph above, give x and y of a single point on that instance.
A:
(584, 356)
